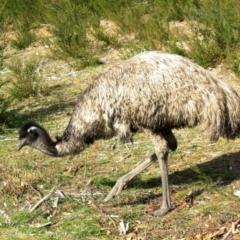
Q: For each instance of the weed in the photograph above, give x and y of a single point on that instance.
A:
(4, 101)
(72, 21)
(108, 40)
(219, 32)
(3, 41)
(24, 36)
(75, 24)
(233, 59)
(25, 81)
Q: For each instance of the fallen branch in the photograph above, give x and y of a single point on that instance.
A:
(43, 199)
(38, 225)
(232, 230)
(60, 195)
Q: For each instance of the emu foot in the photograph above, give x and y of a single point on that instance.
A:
(160, 212)
(117, 189)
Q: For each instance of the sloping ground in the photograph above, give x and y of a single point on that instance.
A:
(203, 176)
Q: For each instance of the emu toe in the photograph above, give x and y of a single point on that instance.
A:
(160, 212)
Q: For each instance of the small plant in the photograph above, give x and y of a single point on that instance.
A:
(72, 22)
(21, 17)
(218, 29)
(233, 60)
(2, 46)
(108, 40)
(24, 37)
(4, 101)
(25, 81)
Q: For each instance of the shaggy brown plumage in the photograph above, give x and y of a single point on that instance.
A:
(152, 91)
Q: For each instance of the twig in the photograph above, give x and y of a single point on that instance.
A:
(4, 214)
(34, 217)
(89, 194)
(193, 194)
(48, 224)
(231, 230)
(35, 189)
(7, 139)
(60, 195)
(26, 206)
(85, 169)
(123, 228)
(43, 199)
(56, 201)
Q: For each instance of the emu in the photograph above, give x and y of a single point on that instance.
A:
(154, 92)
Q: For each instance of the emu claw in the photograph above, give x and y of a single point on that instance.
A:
(116, 190)
(160, 212)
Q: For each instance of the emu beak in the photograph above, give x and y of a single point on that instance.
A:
(22, 143)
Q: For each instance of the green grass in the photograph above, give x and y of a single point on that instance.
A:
(24, 37)
(25, 81)
(46, 91)
(82, 215)
(85, 217)
(210, 32)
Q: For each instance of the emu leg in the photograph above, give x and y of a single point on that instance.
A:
(122, 181)
(162, 149)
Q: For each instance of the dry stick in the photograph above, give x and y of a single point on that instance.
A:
(44, 225)
(232, 229)
(85, 170)
(48, 224)
(34, 217)
(60, 195)
(56, 201)
(5, 215)
(43, 199)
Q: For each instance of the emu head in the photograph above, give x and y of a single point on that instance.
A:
(34, 135)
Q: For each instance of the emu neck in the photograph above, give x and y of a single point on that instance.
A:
(86, 125)
(44, 143)
(69, 146)
(49, 150)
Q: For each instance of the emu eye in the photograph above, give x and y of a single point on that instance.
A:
(32, 130)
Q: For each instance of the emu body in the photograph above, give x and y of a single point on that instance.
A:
(155, 92)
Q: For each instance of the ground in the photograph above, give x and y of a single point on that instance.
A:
(203, 175)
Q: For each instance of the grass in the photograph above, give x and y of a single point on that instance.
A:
(81, 215)
(210, 34)
(208, 172)
(25, 80)
(85, 180)
(4, 101)
(25, 36)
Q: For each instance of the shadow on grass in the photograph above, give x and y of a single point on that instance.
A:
(16, 120)
(44, 108)
(221, 170)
